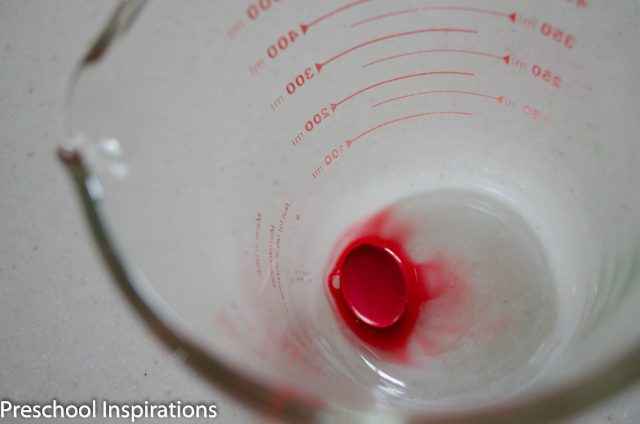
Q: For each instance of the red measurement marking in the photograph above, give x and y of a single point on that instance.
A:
(320, 65)
(253, 12)
(511, 16)
(546, 76)
(504, 58)
(579, 3)
(558, 35)
(499, 99)
(384, 16)
(334, 155)
(334, 106)
(534, 114)
(323, 17)
(349, 142)
(317, 119)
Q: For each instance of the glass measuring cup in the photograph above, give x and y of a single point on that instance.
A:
(231, 155)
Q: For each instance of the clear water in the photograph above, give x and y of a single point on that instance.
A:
(492, 324)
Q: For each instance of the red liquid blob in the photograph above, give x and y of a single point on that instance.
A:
(373, 284)
(431, 290)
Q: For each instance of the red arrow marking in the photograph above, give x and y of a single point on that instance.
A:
(504, 58)
(511, 16)
(431, 92)
(321, 18)
(334, 106)
(384, 16)
(320, 65)
(349, 142)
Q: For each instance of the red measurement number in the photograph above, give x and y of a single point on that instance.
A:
(253, 11)
(534, 114)
(317, 118)
(579, 3)
(282, 44)
(546, 76)
(334, 155)
(558, 35)
(300, 80)
(328, 160)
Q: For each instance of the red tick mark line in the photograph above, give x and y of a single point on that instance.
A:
(384, 16)
(511, 16)
(431, 92)
(349, 142)
(504, 58)
(335, 105)
(321, 18)
(320, 65)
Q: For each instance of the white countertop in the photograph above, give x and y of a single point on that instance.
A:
(68, 332)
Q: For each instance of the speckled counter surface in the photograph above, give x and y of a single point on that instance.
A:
(66, 330)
